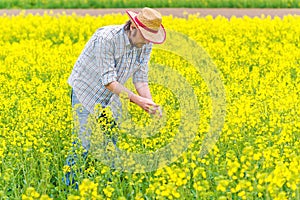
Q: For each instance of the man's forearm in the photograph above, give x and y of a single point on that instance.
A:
(119, 89)
(143, 90)
(145, 102)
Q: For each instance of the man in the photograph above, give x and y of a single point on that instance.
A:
(109, 59)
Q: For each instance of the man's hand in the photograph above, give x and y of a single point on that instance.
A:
(147, 104)
(143, 90)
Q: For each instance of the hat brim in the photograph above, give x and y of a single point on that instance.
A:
(156, 38)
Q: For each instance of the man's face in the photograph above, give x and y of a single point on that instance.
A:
(136, 38)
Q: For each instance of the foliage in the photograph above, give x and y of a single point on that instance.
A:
(256, 156)
(26, 4)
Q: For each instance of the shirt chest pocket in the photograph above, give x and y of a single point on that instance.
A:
(136, 66)
(126, 68)
(134, 61)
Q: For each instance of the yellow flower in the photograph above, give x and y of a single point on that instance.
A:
(222, 185)
(88, 189)
(45, 197)
(258, 148)
(66, 169)
(108, 191)
(242, 194)
(73, 197)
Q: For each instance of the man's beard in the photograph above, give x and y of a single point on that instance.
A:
(133, 34)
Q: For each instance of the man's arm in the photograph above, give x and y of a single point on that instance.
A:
(145, 103)
(143, 90)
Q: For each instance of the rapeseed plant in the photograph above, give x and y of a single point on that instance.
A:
(256, 156)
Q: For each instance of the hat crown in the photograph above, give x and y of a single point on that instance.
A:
(149, 22)
(150, 18)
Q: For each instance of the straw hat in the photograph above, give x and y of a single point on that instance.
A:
(148, 21)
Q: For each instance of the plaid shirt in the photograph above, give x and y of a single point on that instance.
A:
(108, 56)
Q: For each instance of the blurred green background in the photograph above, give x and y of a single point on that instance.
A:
(29, 4)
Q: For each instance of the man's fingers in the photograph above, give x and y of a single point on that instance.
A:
(155, 110)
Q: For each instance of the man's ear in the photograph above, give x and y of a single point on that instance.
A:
(132, 27)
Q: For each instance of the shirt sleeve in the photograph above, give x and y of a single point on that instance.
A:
(141, 75)
(105, 60)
